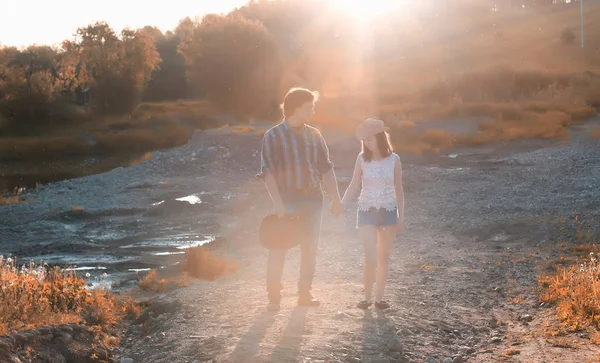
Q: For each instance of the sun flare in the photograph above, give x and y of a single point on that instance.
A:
(367, 9)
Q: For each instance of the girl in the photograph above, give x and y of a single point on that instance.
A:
(380, 205)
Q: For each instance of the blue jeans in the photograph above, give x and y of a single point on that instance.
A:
(311, 205)
(377, 217)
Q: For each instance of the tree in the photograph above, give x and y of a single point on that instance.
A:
(119, 67)
(168, 82)
(234, 62)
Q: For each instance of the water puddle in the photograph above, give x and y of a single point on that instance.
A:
(192, 199)
(197, 243)
(180, 242)
(86, 268)
(75, 261)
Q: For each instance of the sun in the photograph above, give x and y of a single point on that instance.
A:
(367, 9)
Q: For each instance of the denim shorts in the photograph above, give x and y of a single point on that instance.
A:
(377, 217)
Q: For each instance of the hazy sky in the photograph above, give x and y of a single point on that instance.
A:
(51, 21)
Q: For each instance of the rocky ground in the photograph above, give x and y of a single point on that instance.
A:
(482, 224)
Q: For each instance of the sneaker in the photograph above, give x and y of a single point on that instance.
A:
(382, 305)
(308, 300)
(364, 305)
(274, 305)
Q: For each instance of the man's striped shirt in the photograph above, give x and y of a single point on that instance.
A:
(296, 158)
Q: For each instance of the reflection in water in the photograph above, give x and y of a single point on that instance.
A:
(85, 268)
(197, 243)
(168, 253)
(192, 199)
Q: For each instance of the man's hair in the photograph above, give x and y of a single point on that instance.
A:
(295, 98)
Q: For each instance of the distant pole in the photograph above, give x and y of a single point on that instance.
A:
(581, 14)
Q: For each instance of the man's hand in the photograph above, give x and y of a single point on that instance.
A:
(279, 209)
(337, 208)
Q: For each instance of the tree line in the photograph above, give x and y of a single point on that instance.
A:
(235, 60)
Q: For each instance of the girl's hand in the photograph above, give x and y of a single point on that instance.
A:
(400, 225)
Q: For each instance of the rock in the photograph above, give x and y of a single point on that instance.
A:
(448, 360)
(126, 360)
(459, 359)
(526, 318)
(66, 329)
(471, 350)
(139, 185)
(64, 339)
(396, 346)
(496, 340)
(404, 331)
(432, 359)
(45, 330)
(22, 338)
(196, 361)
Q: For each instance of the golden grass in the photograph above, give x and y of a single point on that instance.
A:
(34, 295)
(143, 158)
(575, 290)
(510, 352)
(9, 200)
(153, 283)
(202, 264)
(242, 130)
(181, 107)
(38, 149)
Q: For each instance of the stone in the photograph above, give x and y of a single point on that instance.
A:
(126, 360)
(496, 340)
(526, 318)
(459, 359)
(448, 360)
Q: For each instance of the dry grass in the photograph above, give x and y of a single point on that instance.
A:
(153, 283)
(40, 149)
(202, 264)
(575, 290)
(145, 157)
(136, 141)
(9, 200)
(242, 130)
(595, 132)
(34, 295)
(510, 352)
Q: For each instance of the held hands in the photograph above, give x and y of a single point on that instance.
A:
(337, 208)
(279, 209)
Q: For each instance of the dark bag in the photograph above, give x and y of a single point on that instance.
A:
(282, 233)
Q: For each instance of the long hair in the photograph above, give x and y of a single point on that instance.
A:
(384, 145)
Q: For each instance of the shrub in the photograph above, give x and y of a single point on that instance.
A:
(567, 37)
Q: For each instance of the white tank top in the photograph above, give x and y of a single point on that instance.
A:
(378, 184)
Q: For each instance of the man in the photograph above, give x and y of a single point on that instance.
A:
(294, 162)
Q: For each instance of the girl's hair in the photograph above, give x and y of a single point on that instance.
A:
(384, 145)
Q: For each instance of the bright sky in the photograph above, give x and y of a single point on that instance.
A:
(51, 21)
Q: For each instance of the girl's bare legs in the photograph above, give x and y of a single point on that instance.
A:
(385, 236)
(369, 238)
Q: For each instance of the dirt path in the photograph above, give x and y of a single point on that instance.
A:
(479, 228)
